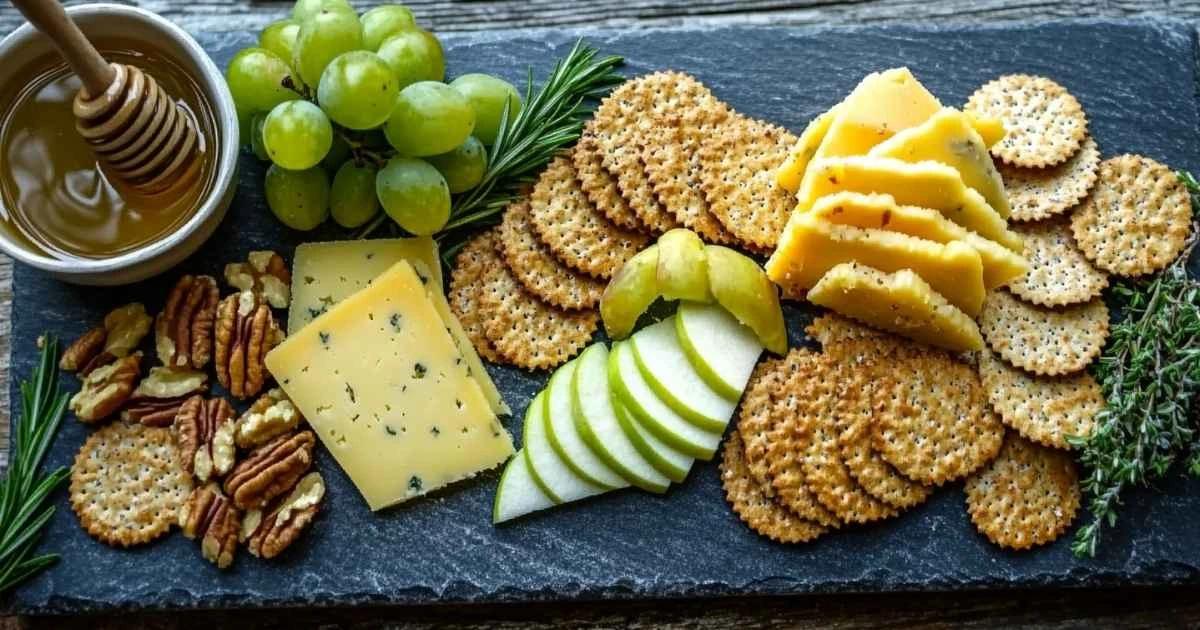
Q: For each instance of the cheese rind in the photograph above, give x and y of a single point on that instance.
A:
(791, 172)
(388, 392)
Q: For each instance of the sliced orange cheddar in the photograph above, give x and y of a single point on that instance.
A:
(990, 129)
(949, 138)
(899, 302)
(879, 211)
(792, 170)
(811, 246)
(883, 104)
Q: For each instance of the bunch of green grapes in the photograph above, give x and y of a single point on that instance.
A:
(354, 115)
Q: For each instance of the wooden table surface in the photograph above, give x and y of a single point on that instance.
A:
(1135, 607)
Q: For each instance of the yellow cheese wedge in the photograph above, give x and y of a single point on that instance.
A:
(811, 246)
(385, 388)
(899, 302)
(990, 129)
(923, 184)
(1000, 264)
(949, 138)
(792, 170)
(883, 104)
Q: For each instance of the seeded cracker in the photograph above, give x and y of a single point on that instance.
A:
(1039, 193)
(600, 186)
(1027, 497)
(1045, 124)
(1045, 409)
(1137, 218)
(1042, 340)
(571, 227)
(477, 260)
(831, 328)
(755, 508)
(1059, 274)
(527, 332)
(538, 270)
(127, 485)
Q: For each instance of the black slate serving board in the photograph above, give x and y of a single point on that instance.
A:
(1137, 82)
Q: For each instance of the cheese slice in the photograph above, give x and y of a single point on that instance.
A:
(388, 392)
(811, 246)
(923, 184)
(899, 302)
(949, 138)
(791, 172)
(990, 129)
(324, 274)
(1000, 264)
(883, 104)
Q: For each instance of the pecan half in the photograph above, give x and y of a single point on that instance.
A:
(160, 395)
(210, 516)
(127, 326)
(205, 432)
(246, 332)
(267, 536)
(83, 350)
(270, 416)
(270, 470)
(264, 274)
(106, 388)
(183, 332)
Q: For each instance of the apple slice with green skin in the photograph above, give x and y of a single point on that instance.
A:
(658, 417)
(630, 292)
(548, 470)
(682, 267)
(598, 424)
(564, 437)
(518, 494)
(743, 288)
(666, 367)
(722, 350)
(672, 463)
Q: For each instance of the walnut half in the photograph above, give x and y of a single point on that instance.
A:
(265, 274)
(270, 470)
(183, 331)
(106, 388)
(270, 416)
(159, 396)
(210, 516)
(205, 433)
(267, 536)
(246, 332)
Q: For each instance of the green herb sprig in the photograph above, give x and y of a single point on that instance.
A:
(1150, 374)
(23, 491)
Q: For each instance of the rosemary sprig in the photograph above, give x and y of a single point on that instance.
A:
(1150, 374)
(23, 492)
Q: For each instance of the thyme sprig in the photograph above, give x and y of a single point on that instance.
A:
(1150, 374)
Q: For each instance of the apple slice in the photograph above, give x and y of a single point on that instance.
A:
(743, 288)
(631, 291)
(518, 494)
(658, 417)
(548, 470)
(672, 463)
(722, 350)
(664, 364)
(563, 433)
(682, 267)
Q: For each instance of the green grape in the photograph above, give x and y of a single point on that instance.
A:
(429, 118)
(414, 55)
(339, 152)
(280, 38)
(414, 194)
(297, 134)
(255, 77)
(487, 95)
(256, 137)
(358, 90)
(305, 9)
(299, 199)
(323, 37)
(352, 200)
(245, 126)
(384, 21)
(464, 166)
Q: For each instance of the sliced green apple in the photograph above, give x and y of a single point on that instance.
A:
(630, 292)
(547, 468)
(682, 267)
(743, 288)
(722, 350)
(518, 494)
(671, 462)
(657, 416)
(597, 423)
(666, 367)
(563, 433)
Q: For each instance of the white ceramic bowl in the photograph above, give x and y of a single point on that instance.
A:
(131, 23)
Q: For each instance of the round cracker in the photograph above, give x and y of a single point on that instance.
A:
(1044, 124)
(1027, 497)
(573, 230)
(832, 328)
(600, 186)
(1043, 340)
(1045, 409)
(933, 422)
(755, 508)
(1137, 219)
(475, 262)
(537, 269)
(1040, 193)
(1059, 274)
(127, 484)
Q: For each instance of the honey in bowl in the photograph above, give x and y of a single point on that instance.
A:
(57, 198)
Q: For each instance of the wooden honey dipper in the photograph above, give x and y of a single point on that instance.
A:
(144, 137)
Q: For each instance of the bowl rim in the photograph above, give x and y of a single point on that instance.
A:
(212, 80)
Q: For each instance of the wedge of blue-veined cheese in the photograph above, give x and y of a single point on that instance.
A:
(389, 393)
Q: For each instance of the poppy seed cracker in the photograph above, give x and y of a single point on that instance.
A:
(755, 508)
(475, 262)
(1043, 340)
(527, 332)
(1045, 409)
(600, 186)
(1040, 193)
(1045, 124)
(538, 270)
(1059, 274)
